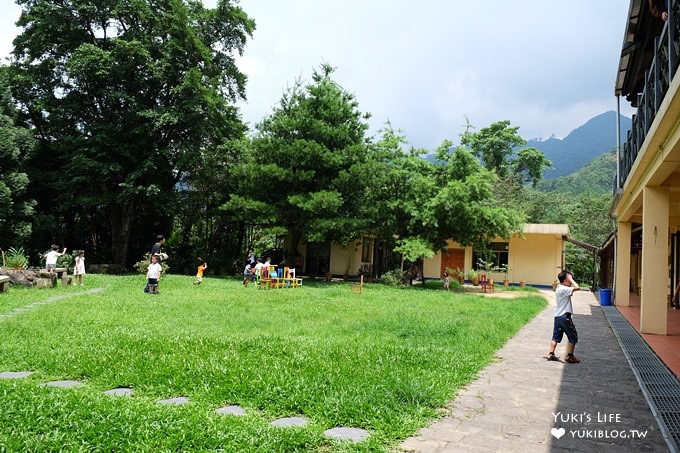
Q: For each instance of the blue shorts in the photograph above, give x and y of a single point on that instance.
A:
(564, 325)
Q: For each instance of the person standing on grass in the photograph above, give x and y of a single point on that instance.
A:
(248, 273)
(156, 248)
(201, 267)
(153, 275)
(51, 258)
(158, 253)
(79, 268)
(563, 323)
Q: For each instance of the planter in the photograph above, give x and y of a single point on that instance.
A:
(506, 282)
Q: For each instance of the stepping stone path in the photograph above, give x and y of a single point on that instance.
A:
(51, 300)
(341, 432)
(177, 400)
(64, 384)
(120, 391)
(231, 410)
(290, 421)
(15, 374)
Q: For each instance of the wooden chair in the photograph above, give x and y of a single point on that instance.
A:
(357, 287)
(262, 279)
(289, 279)
(276, 280)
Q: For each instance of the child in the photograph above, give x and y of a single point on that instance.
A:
(51, 258)
(248, 273)
(447, 281)
(153, 275)
(202, 265)
(79, 268)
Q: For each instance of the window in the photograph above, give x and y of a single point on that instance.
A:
(366, 249)
(497, 255)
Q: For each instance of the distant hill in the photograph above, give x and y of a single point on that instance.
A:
(594, 138)
(596, 177)
(583, 145)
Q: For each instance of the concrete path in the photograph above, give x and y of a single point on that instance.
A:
(523, 403)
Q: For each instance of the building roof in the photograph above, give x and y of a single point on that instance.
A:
(558, 229)
(637, 50)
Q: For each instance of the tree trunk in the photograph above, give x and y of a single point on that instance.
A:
(121, 227)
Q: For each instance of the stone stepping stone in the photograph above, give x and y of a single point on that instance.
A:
(15, 374)
(120, 391)
(231, 410)
(345, 433)
(177, 400)
(63, 384)
(290, 421)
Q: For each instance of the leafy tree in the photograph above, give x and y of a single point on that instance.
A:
(16, 144)
(496, 146)
(425, 204)
(306, 172)
(463, 208)
(529, 165)
(124, 96)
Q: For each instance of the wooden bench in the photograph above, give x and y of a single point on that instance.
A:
(5, 283)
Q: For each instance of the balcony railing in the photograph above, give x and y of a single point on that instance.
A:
(657, 80)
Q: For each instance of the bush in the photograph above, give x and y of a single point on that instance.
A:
(143, 265)
(14, 258)
(393, 278)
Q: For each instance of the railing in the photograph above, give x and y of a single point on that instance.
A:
(657, 81)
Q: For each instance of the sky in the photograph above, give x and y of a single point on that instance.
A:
(546, 66)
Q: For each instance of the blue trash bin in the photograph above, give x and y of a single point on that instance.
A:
(605, 296)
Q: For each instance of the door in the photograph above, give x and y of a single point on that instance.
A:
(452, 259)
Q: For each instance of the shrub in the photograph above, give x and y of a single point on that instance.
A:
(392, 278)
(15, 258)
(143, 265)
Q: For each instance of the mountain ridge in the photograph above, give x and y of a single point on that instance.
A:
(593, 138)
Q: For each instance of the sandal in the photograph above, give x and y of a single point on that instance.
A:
(552, 357)
(572, 359)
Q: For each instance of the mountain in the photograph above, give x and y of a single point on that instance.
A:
(595, 177)
(594, 138)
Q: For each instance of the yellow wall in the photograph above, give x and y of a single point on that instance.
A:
(534, 258)
(342, 257)
(432, 267)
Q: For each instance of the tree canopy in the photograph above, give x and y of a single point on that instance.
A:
(306, 170)
(497, 147)
(123, 96)
(16, 144)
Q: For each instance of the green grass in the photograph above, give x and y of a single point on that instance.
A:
(386, 360)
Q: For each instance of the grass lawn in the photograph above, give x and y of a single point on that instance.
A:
(386, 360)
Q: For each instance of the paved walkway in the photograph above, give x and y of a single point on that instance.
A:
(523, 403)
